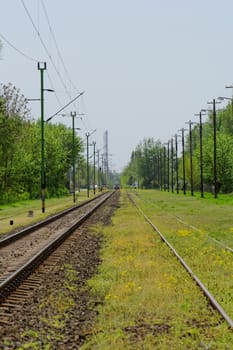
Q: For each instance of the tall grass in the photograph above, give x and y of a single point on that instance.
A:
(146, 300)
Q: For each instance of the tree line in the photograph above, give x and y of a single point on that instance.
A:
(157, 165)
(20, 151)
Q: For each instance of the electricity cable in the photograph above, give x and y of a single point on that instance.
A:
(56, 45)
(16, 49)
(43, 44)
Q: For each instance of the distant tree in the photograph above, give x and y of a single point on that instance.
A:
(143, 167)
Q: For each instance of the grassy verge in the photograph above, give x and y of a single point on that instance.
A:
(18, 212)
(149, 301)
(189, 224)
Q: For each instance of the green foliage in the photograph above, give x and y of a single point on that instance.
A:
(149, 168)
(20, 151)
(142, 170)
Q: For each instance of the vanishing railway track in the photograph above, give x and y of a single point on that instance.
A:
(24, 252)
(193, 227)
(200, 284)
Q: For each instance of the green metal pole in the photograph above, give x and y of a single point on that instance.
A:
(215, 150)
(98, 167)
(94, 143)
(41, 68)
(177, 166)
(168, 167)
(172, 168)
(201, 155)
(73, 114)
(88, 185)
(183, 156)
(191, 156)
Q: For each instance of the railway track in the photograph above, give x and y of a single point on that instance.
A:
(200, 284)
(195, 228)
(35, 249)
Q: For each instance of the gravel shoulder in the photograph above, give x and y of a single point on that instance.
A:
(60, 313)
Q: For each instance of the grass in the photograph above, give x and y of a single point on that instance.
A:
(145, 299)
(209, 215)
(18, 212)
(189, 224)
(149, 301)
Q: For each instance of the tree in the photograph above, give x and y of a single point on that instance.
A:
(20, 151)
(143, 167)
(13, 114)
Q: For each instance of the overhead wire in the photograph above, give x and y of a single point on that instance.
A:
(45, 47)
(49, 55)
(56, 45)
(60, 56)
(27, 57)
(18, 50)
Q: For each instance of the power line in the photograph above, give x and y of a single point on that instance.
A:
(49, 55)
(44, 46)
(56, 45)
(52, 86)
(16, 49)
(59, 52)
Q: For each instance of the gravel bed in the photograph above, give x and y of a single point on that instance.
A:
(61, 313)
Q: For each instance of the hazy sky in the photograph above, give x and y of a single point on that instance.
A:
(146, 66)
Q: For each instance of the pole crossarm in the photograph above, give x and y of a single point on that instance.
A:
(61, 109)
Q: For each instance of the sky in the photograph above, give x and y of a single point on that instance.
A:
(146, 67)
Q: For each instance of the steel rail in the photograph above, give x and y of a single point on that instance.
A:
(29, 229)
(209, 237)
(14, 280)
(220, 243)
(206, 292)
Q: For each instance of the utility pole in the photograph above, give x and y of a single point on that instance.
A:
(215, 147)
(42, 67)
(183, 157)
(215, 150)
(102, 171)
(158, 168)
(161, 168)
(164, 168)
(153, 166)
(73, 115)
(168, 167)
(172, 168)
(88, 134)
(98, 167)
(177, 165)
(201, 155)
(191, 155)
(201, 152)
(231, 87)
(88, 179)
(94, 143)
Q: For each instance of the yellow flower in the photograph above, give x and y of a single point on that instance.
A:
(184, 233)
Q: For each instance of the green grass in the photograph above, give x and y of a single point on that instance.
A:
(18, 212)
(149, 301)
(209, 215)
(189, 224)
